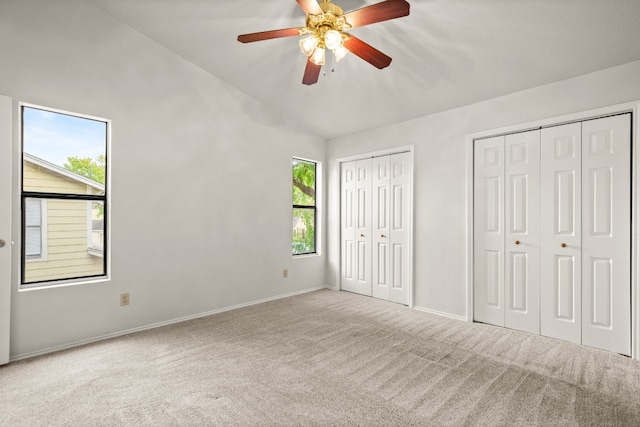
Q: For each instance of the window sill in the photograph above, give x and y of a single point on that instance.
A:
(62, 283)
(95, 252)
(303, 256)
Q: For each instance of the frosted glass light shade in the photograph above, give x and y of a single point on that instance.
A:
(340, 52)
(318, 56)
(308, 44)
(332, 39)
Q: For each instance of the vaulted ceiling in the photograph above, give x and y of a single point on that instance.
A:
(446, 53)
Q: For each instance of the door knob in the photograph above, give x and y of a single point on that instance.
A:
(382, 235)
(564, 245)
(2, 243)
(362, 235)
(517, 242)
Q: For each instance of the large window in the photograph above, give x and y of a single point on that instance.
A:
(304, 207)
(64, 196)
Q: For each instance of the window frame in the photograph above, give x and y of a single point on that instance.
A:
(44, 197)
(314, 208)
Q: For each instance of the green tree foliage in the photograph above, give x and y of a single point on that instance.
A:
(304, 183)
(87, 167)
(95, 170)
(304, 194)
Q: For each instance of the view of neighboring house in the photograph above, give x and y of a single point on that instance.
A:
(63, 238)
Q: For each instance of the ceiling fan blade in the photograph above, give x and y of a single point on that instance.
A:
(383, 11)
(266, 35)
(310, 7)
(369, 53)
(311, 73)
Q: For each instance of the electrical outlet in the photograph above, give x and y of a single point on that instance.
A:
(285, 273)
(124, 299)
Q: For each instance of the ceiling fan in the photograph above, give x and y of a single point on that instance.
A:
(326, 28)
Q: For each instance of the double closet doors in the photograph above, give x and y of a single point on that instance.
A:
(375, 227)
(552, 232)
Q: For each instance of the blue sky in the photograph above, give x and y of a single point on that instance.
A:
(54, 137)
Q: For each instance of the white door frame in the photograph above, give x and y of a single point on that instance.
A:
(380, 153)
(6, 144)
(632, 107)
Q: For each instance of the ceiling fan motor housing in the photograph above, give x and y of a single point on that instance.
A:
(331, 19)
(328, 7)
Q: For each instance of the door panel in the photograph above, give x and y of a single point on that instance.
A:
(488, 208)
(606, 242)
(380, 233)
(518, 284)
(356, 224)
(5, 226)
(564, 303)
(522, 231)
(560, 205)
(348, 228)
(399, 233)
(363, 169)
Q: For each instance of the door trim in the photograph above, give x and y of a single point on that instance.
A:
(372, 154)
(630, 107)
(6, 145)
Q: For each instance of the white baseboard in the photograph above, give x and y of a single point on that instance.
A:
(440, 313)
(155, 325)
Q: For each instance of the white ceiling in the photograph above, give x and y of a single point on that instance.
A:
(446, 53)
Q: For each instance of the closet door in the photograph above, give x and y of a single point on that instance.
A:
(522, 231)
(376, 227)
(488, 205)
(363, 226)
(400, 227)
(381, 247)
(606, 233)
(561, 257)
(348, 226)
(356, 226)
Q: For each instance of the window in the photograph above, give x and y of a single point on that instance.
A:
(304, 207)
(35, 230)
(64, 196)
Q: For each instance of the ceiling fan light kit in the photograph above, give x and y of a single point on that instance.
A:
(326, 27)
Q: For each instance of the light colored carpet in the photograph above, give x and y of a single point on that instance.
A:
(320, 359)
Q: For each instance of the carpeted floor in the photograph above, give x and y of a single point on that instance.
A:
(323, 359)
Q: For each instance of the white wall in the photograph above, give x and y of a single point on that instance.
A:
(201, 177)
(440, 172)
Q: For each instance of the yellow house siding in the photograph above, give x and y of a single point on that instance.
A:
(38, 179)
(68, 224)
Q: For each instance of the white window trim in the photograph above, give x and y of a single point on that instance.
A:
(319, 211)
(107, 217)
(90, 249)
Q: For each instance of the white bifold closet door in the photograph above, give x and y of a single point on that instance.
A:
(376, 227)
(561, 210)
(356, 226)
(390, 233)
(586, 211)
(507, 231)
(552, 232)
(488, 239)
